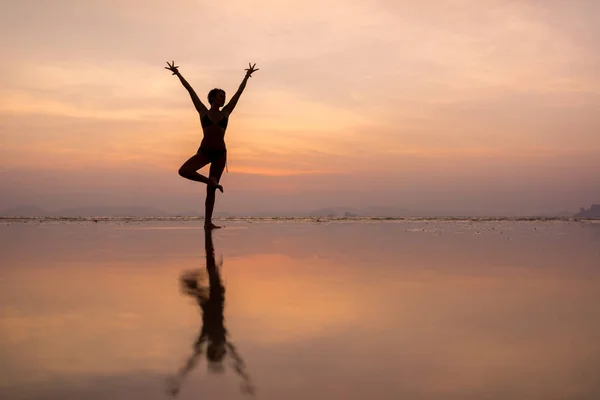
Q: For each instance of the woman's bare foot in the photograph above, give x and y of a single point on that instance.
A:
(214, 183)
(210, 225)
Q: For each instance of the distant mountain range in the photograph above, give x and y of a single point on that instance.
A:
(394, 211)
(370, 211)
(592, 212)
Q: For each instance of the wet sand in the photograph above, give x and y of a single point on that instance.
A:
(328, 310)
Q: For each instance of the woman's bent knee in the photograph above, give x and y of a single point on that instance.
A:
(184, 172)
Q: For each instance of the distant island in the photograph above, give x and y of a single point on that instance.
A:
(592, 212)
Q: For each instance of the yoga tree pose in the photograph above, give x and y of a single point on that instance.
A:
(212, 149)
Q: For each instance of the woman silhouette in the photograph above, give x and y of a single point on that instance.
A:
(212, 304)
(212, 149)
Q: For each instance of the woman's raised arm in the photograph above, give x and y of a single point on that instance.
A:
(201, 108)
(232, 103)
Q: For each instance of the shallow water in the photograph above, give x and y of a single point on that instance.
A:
(352, 309)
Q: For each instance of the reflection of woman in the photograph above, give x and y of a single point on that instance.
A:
(212, 303)
(212, 148)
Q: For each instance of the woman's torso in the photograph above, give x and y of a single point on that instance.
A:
(213, 127)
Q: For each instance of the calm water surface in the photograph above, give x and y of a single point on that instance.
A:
(300, 310)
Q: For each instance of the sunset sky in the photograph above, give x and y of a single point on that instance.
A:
(482, 106)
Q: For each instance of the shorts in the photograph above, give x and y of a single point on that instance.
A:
(213, 154)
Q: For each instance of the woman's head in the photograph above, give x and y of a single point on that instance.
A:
(215, 353)
(216, 96)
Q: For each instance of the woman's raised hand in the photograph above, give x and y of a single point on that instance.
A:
(250, 70)
(172, 67)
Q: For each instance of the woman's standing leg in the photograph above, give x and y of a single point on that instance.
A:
(216, 170)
